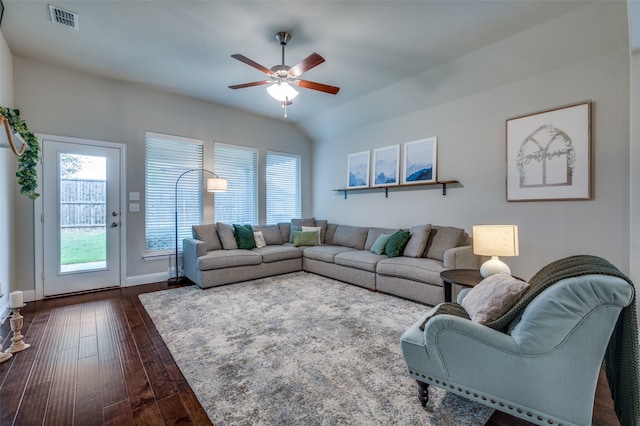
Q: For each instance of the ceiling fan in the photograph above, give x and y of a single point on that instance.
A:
(283, 76)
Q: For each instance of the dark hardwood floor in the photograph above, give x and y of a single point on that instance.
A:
(98, 359)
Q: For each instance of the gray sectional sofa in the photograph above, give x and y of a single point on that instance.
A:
(212, 257)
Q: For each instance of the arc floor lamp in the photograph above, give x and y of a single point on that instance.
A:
(214, 184)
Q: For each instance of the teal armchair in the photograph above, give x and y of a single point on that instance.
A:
(543, 367)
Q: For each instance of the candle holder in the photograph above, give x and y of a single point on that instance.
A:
(17, 344)
(4, 357)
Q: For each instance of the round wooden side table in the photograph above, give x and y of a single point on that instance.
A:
(463, 277)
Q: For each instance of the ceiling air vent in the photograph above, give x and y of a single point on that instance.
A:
(63, 17)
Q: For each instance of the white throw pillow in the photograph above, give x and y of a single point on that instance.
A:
(492, 297)
(313, 229)
(259, 238)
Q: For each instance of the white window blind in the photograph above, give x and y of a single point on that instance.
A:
(166, 158)
(239, 165)
(283, 187)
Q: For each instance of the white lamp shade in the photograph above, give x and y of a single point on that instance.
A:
(216, 184)
(495, 240)
(282, 92)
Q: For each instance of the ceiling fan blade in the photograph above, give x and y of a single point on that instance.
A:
(253, 83)
(318, 86)
(306, 64)
(254, 64)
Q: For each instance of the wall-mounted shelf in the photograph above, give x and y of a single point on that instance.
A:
(386, 189)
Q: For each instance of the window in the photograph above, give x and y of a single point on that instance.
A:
(240, 166)
(283, 187)
(166, 158)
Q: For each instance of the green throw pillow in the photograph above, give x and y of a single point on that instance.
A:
(301, 238)
(380, 243)
(396, 244)
(244, 236)
(294, 228)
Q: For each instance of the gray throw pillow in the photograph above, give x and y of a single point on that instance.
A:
(208, 234)
(441, 239)
(418, 241)
(227, 237)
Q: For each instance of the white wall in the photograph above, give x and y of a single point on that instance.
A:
(7, 180)
(471, 146)
(61, 102)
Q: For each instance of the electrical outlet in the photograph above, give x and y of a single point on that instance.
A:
(134, 207)
(134, 196)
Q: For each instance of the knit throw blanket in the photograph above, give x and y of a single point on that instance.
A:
(621, 358)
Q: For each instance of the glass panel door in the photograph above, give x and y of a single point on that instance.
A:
(81, 217)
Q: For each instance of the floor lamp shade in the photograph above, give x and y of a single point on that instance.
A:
(494, 241)
(214, 184)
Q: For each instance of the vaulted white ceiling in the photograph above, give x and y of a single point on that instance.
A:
(185, 46)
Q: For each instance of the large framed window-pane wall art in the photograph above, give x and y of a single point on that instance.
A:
(548, 155)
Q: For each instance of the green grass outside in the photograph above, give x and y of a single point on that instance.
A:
(82, 245)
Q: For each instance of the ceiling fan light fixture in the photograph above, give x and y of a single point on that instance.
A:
(282, 91)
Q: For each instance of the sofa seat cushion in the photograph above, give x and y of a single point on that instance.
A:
(411, 268)
(325, 253)
(220, 259)
(276, 253)
(361, 259)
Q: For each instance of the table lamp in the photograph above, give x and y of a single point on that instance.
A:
(494, 241)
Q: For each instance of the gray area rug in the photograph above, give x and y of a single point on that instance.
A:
(300, 349)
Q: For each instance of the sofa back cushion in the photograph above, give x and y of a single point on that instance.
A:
(350, 236)
(285, 230)
(227, 236)
(323, 229)
(208, 234)
(441, 239)
(331, 231)
(373, 235)
(307, 221)
(271, 233)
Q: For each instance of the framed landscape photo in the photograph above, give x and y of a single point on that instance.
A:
(358, 170)
(548, 155)
(386, 166)
(419, 161)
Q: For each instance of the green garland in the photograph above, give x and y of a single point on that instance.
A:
(27, 173)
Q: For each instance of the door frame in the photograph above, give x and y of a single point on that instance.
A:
(38, 210)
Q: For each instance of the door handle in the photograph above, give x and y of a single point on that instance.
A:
(114, 224)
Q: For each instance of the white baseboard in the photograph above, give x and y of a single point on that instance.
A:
(27, 296)
(146, 279)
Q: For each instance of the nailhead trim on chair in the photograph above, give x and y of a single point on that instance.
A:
(474, 395)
